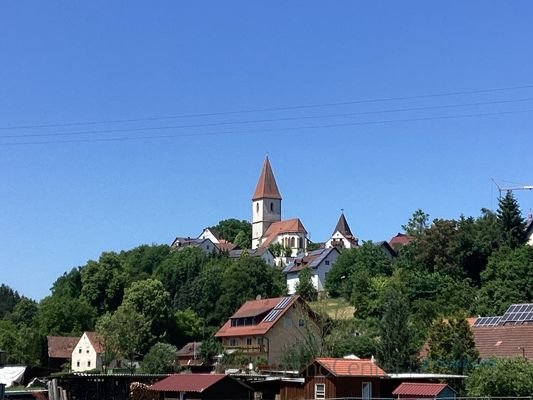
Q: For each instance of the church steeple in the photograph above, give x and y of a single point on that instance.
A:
(266, 185)
(266, 204)
(343, 227)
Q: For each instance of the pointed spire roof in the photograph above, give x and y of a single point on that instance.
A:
(342, 227)
(266, 186)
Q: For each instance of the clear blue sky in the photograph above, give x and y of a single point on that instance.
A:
(69, 62)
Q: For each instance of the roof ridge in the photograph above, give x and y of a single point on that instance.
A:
(266, 185)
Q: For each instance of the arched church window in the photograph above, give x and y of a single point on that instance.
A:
(293, 244)
(257, 207)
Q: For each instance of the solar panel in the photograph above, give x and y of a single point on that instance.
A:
(487, 321)
(283, 303)
(518, 313)
(271, 316)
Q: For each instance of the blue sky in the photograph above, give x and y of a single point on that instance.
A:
(70, 62)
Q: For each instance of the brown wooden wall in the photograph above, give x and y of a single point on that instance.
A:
(291, 391)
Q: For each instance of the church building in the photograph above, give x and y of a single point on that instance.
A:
(267, 226)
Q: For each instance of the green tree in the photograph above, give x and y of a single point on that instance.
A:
(141, 262)
(242, 240)
(305, 287)
(189, 325)
(64, 316)
(161, 359)
(397, 348)
(507, 279)
(452, 348)
(150, 299)
(501, 378)
(103, 282)
(8, 299)
(68, 285)
(228, 229)
(512, 224)
(209, 349)
(417, 224)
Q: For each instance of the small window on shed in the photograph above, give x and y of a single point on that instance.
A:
(320, 391)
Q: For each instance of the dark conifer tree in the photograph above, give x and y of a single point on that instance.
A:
(512, 224)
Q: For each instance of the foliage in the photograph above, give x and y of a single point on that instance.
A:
(209, 349)
(229, 229)
(347, 337)
(188, 325)
(508, 279)
(64, 316)
(304, 286)
(417, 224)
(512, 224)
(161, 359)
(22, 344)
(68, 285)
(311, 246)
(452, 348)
(398, 346)
(501, 377)
(8, 299)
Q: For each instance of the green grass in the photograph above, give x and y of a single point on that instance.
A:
(334, 308)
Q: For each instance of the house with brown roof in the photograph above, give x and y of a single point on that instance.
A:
(60, 350)
(328, 378)
(264, 329)
(202, 387)
(87, 354)
(267, 226)
(342, 236)
(401, 239)
(188, 354)
(318, 261)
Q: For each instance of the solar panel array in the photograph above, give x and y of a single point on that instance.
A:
(516, 314)
(488, 321)
(277, 310)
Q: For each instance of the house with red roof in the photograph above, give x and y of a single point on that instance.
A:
(87, 354)
(60, 350)
(328, 378)
(202, 387)
(263, 329)
(413, 390)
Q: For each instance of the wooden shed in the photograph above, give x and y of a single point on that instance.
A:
(424, 391)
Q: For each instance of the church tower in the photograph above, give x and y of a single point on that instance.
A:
(266, 204)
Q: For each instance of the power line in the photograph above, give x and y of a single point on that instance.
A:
(257, 121)
(131, 138)
(269, 109)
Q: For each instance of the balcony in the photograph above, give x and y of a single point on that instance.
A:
(245, 349)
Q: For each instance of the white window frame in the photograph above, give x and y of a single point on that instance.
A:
(320, 394)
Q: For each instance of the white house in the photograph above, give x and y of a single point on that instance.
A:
(342, 236)
(87, 354)
(318, 261)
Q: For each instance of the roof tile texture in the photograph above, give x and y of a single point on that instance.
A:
(419, 389)
(61, 346)
(266, 186)
(187, 382)
(504, 341)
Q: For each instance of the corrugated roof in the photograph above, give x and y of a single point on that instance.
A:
(293, 225)
(61, 346)
(266, 185)
(504, 341)
(188, 382)
(419, 389)
(252, 308)
(351, 367)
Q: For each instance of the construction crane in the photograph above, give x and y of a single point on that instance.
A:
(511, 188)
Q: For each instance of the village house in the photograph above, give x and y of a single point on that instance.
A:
(222, 244)
(264, 329)
(206, 245)
(188, 354)
(87, 354)
(318, 261)
(329, 378)
(60, 350)
(262, 252)
(342, 237)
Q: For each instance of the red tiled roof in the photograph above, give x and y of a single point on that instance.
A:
(350, 367)
(61, 346)
(504, 341)
(188, 382)
(419, 389)
(95, 342)
(266, 186)
(400, 239)
(293, 225)
(252, 308)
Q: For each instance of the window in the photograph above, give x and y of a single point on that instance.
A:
(79, 350)
(327, 262)
(257, 207)
(259, 341)
(271, 206)
(233, 342)
(87, 351)
(78, 364)
(301, 323)
(293, 244)
(88, 363)
(287, 322)
(366, 391)
(320, 391)
(248, 341)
